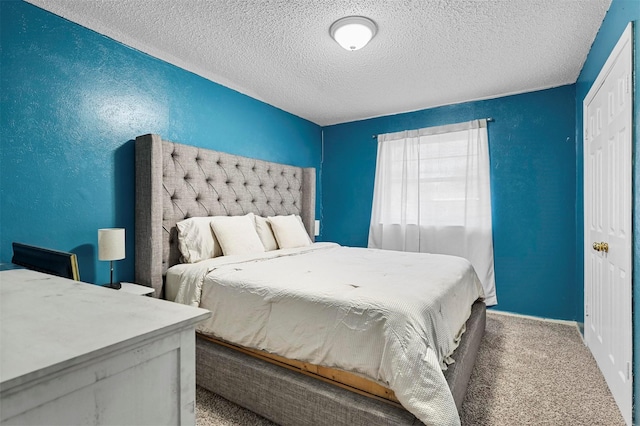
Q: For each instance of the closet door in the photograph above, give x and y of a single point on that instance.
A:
(607, 210)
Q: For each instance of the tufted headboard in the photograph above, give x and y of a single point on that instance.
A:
(175, 182)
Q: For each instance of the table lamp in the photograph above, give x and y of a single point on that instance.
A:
(111, 247)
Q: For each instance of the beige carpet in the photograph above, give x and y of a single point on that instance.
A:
(528, 372)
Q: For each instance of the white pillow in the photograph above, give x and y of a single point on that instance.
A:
(266, 234)
(237, 234)
(196, 241)
(289, 231)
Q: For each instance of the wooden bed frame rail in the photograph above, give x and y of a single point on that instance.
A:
(341, 378)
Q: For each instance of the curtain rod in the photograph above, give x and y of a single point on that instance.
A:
(489, 120)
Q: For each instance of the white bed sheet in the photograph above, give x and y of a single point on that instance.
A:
(394, 317)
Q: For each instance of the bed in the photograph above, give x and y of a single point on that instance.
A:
(175, 182)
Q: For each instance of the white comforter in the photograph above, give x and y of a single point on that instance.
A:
(394, 317)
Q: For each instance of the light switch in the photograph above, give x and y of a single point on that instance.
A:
(317, 228)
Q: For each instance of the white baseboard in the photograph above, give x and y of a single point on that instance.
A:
(566, 322)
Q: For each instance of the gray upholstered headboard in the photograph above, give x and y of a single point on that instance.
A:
(175, 182)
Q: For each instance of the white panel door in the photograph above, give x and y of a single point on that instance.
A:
(607, 210)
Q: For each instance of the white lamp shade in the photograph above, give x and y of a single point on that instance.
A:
(111, 244)
(353, 32)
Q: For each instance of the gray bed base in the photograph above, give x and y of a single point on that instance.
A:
(174, 182)
(290, 398)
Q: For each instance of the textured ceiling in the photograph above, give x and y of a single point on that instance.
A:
(426, 53)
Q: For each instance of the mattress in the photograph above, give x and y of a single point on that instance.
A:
(392, 317)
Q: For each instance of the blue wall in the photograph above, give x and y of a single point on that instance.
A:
(532, 153)
(620, 13)
(71, 101)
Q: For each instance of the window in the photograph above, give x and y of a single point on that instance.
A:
(432, 194)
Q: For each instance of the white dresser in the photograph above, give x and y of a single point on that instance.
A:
(75, 353)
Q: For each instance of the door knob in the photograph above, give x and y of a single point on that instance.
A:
(601, 247)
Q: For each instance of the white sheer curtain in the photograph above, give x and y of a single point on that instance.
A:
(432, 195)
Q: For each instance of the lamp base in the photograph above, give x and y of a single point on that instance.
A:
(115, 286)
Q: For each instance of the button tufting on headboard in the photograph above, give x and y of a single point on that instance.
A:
(175, 181)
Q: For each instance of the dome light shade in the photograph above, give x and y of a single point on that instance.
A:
(353, 32)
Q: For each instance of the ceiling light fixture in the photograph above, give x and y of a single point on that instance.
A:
(353, 32)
